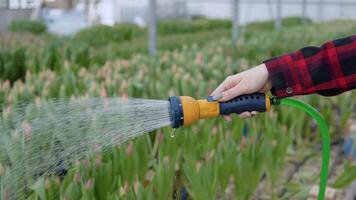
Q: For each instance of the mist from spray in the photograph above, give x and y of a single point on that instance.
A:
(43, 139)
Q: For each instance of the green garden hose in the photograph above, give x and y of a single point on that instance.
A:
(324, 135)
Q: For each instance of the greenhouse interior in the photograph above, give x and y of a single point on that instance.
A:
(178, 99)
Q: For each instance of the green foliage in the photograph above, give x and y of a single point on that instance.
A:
(35, 27)
(208, 160)
(169, 27)
(13, 64)
(269, 25)
(95, 45)
(101, 35)
(347, 177)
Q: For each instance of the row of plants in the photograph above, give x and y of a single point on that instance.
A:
(34, 27)
(126, 32)
(92, 47)
(211, 160)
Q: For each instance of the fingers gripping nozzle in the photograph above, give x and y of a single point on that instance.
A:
(250, 102)
(186, 110)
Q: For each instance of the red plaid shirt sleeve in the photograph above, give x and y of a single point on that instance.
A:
(327, 70)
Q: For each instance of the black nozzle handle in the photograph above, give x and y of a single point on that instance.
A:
(250, 102)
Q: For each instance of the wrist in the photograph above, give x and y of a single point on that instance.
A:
(268, 83)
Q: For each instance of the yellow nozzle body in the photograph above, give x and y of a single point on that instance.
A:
(198, 109)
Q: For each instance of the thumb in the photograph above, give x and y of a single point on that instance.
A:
(232, 93)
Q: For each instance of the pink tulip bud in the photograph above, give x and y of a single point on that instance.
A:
(125, 97)
(31, 89)
(124, 85)
(149, 175)
(198, 166)
(125, 64)
(214, 131)
(2, 170)
(77, 177)
(103, 93)
(129, 149)
(7, 112)
(209, 155)
(243, 143)
(7, 194)
(47, 183)
(136, 186)
(27, 128)
(123, 190)
(58, 181)
(89, 184)
(271, 114)
(85, 163)
(21, 87)
(93, 86)
(82, 72)
(126, 185)
(98, 161)
(6, 85)
(141, 74)
(159, 137)
(66, 64)
(166, 160)
(199, 58)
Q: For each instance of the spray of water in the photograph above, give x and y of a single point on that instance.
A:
(43, 139)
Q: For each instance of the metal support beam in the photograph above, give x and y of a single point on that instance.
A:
(320, 10)
(152, 27)
(278, 21)
(270, 8)
(304, 12)
(235, 20)
(115, 9)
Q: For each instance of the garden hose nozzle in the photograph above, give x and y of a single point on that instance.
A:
(185, 110)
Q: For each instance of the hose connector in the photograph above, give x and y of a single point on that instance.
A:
(275, 101)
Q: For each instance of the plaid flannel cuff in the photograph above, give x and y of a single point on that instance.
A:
(284, 75)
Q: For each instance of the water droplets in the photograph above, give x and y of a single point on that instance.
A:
(71, 129)
(173, 133)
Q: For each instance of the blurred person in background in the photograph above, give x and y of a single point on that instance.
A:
(327, 70)
(349, 146)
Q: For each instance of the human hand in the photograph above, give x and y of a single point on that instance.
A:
(247, 82)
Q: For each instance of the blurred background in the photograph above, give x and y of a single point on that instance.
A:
(57, 49)
(66, 17)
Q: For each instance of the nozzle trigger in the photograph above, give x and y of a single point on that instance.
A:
(214, 98)
(210, 99)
